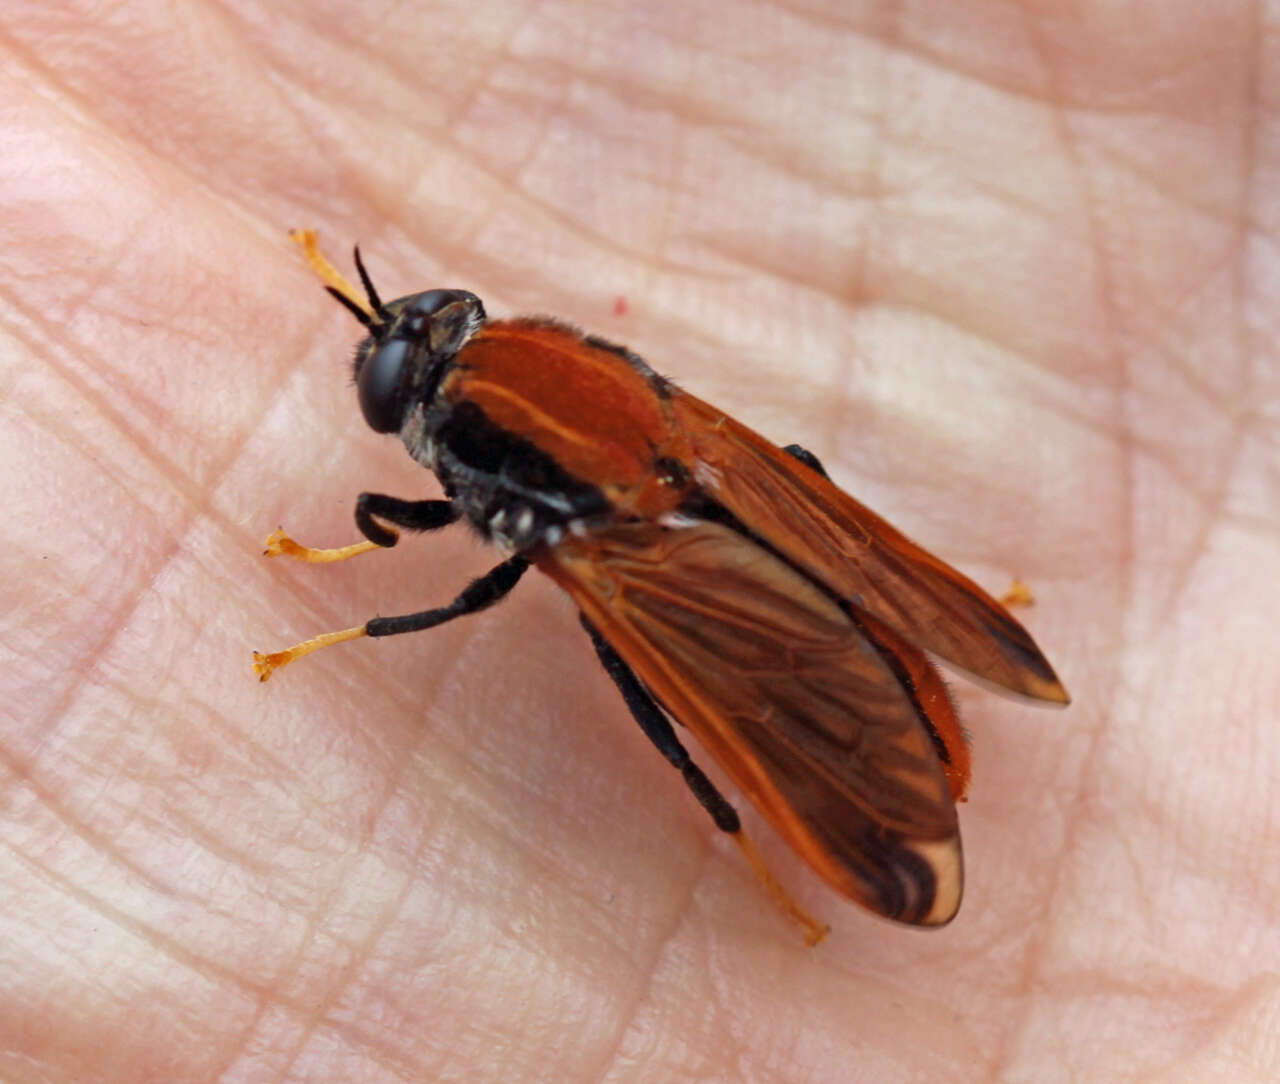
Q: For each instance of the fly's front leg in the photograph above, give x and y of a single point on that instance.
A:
(411, 515)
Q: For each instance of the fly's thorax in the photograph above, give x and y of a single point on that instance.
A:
(515, 494)
(535, 430)
(417, 437)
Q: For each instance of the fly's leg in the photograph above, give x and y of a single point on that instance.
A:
(657, 727)
(658, 730)
(411, 515)
(807, 458)
(478, 595)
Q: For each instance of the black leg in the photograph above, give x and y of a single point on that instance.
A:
(477, 595)
(807, 458)
(659, 730)
(412, 515)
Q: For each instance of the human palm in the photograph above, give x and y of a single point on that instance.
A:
(1006, 272)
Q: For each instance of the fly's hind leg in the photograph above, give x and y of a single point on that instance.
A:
(658, 729)
(807, 458)
(654, 722)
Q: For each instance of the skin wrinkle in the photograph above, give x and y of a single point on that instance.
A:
(61, 92)
(687, 112)
(1133, 448)
(872, 193)
(359, 954)
(889, 41)
(1198, 542)
(575, 227)
(467, 240)
(204, 965)
(675, 185)
(933, 60)
(456, 799)
(62, 704)
(1171, 342)
(182, 484)
(263, 760)
(139, 598)
(1163, 185)
(867, 303)
(1017, 1026)
(172, 950)
(481, 81)
(509, 185)
(680, 918)
(289, 93)
(79, 828)
(459, 801)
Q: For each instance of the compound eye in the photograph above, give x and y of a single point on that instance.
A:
(380, 384)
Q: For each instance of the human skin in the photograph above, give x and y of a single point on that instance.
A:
(1008, 269)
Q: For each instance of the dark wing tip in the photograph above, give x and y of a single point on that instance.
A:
(1042, 683)
(1033, 676)
(946, 871)
(1054, 692)
(918, 882)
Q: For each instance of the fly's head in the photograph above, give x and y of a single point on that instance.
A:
(410, 345)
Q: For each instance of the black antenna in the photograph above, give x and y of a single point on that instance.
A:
(354, 309)
(375, 302)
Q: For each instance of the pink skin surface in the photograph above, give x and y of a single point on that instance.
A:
(1009, 269)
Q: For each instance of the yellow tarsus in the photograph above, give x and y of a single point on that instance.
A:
(1019, 594)
(814, 929)
(279, 544)
(266, 665)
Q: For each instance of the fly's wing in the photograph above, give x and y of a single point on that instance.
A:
(811, 712)
(846, 546)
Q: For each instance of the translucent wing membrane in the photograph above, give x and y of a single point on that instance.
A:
(846, 546)
(818, 724)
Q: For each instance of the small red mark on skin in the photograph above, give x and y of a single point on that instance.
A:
(620, 306)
